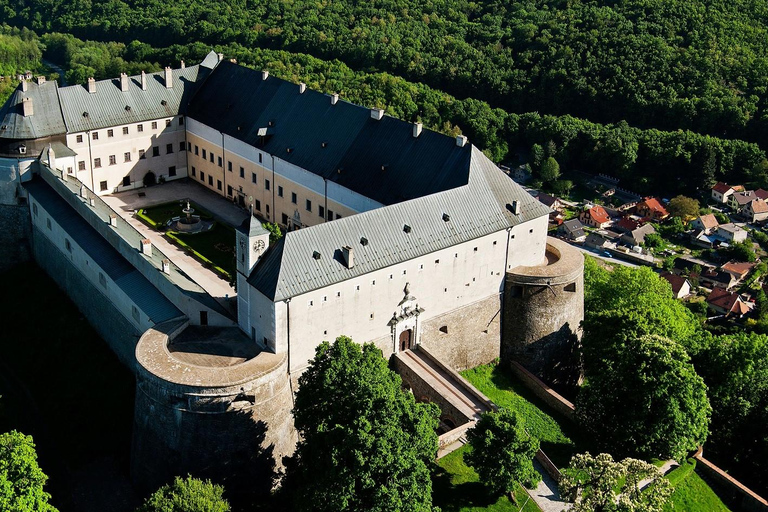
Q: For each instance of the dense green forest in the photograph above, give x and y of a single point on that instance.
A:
(698, 64)
(644, 158)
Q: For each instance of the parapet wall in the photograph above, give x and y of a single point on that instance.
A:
(232, 424)
(542, 313)
(15, 233)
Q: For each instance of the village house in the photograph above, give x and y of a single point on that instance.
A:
(731, 233)
(596, 216)
(728, 303)
(550, 201)
(637, 235)
(762, 194)
(706, 223)
(599, 240)
(739, 200)
(681, 287)
(627, 224)
(651, 208)
(738, 269)
(721, 192)
(755, 211)
(572, 230)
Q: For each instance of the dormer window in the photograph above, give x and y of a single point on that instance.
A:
(22, 149)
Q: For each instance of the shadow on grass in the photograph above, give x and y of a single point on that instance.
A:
(452, 497)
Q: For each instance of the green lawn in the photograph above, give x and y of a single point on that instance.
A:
(559, 438)
(692, 494)
(218, 245)
(162, 213)
(456, 488)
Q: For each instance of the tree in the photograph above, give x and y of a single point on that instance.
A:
(537, 157)
(599, 484)
(502, 451)
(550, 170)
(562, 187)
(274, 231)
(365, 444)
(187, 495)
(683, 207)
(21, 479)
(741, 251)
(653, 241)
(644, 398)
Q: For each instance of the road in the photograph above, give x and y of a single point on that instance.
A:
(57, 69)
(595, 254)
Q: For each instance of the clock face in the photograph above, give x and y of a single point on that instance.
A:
(258, 245)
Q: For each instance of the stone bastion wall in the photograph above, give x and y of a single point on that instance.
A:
(543, 311)
(203, 408)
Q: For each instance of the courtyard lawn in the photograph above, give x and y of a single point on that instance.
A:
(218, 245)
(456, 488)
(559, 439)
(692, 494)
(162, 213)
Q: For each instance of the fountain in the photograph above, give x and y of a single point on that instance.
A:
(188, 211)
(189, 223)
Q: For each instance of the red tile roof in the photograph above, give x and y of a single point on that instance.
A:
(736, 268)
(675, 280)
(599, 215)
(759, 206)
(709, 221)
(721, 187)
(653, 205)
(762, 194)
(628, 224)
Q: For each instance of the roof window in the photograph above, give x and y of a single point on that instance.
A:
(407, 228)
(316, 255)
(363, 241)
(446, 217)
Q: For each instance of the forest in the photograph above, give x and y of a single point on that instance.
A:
(643, 158)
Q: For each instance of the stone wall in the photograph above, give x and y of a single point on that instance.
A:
(748, 499)
(112, 326)
(465, 337)
(541, 390)
(15, 233)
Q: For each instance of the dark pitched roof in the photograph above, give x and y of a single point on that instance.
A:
(721, 187)
(46, 118)
(342, 143)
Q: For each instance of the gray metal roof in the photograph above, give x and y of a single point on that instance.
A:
(476, 209)
(59, 151)
(109, 106)
(46, 118)
(120, 271)
(342, 143)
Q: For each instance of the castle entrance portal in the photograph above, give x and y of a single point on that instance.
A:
(406, 340)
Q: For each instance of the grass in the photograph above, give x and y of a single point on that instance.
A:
(162, 213)
(61, 383)
(691, 493)
(559, 438)
(457, 488)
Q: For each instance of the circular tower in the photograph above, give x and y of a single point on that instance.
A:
(209, 403)
(542, 313)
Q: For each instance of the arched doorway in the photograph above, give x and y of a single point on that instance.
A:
(406, 340)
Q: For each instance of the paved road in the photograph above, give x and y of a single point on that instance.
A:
(546, 495)
(605, 258)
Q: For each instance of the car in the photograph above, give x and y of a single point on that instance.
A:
(607, 254)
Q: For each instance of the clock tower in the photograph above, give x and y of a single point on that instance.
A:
(252, 243)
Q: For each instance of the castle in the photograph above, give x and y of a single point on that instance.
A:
(395, 235)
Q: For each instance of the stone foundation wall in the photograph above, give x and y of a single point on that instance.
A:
(472, 337)
(112, 326)
(15, 234)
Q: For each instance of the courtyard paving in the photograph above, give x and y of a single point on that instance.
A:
(126, 203)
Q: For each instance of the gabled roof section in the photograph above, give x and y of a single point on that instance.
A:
(46, 119)
(109, 106)
(721, 187)
(380, 159)
(379, 237)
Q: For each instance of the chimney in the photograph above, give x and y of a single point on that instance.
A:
(417, 129)
(24, 86)
(334, 99)
(40, 80)
(349, 256)
(26, 106)
(514, 207)
(146, 247)
(302, 87)
(264, 74)
(182, 64)
(83, 192)
(143, 81)
(461, 140)
(52, 159)
(92, 201)
(377, 114)
(220, 56)
(91, 85)
(168, 77)
(123, 82)
(113, 220)
(167, 263)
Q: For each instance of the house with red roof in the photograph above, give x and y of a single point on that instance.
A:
(681, 287)
(728, 303)
(721, 192)
(651, 208)
(596, 217)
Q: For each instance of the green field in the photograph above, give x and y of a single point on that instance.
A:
(456, 488)
(691, 492)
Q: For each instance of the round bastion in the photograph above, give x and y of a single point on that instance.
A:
(543, 310)
(210, 403)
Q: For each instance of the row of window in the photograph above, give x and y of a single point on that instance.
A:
(127, 156)
(126, 131)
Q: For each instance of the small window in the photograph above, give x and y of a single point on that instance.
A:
(81, 165)
(294, 198)
(391, 276)
(338, 294)
(253, 177)
(112, 159)
(210, 180)
(167, 123)
(494, 242)
(110, 133)
(181, 120)
(69, 170)
(34, 209)
(197, 149)
(125, 130)
(570, 287)
(154, 125)
(260, 158)
(266, 184)
(204, 319)
(229, 190)
(311, 303)
(79, 139)
(285, 219)
(202, 176)
(95, 135)
(530, 230)
(139, 128)
(475, 249)
(182, 145)
(267, 207)
(373, 283)
(338, 216)
(48, 223)
(127, 181)
(127, 156)
(218, 184)
(258, 205)
(242, 172)
(330, 214)
(142, 155)
(102, 280)
(325, 298)
(211, 156)
(229, 166)
(189, 147)
(172, 171)
(309, 205)
(444, 329)
(279, 191)
(421, 267)
(320, 211)
(220, 161)
(371, 316)
(155, 150)
(168, 149)
(194, 171)
(97, 162)
(403, 272)
(103, 186)
(437, 262)
(205, 155)
(357, 287)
